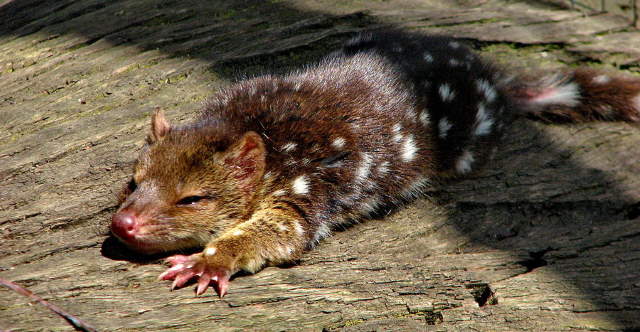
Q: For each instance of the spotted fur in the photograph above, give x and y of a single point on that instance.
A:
(275, 163)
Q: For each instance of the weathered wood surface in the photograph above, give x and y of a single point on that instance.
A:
(545, 239)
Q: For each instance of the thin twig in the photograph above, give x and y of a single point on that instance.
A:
(77, 323)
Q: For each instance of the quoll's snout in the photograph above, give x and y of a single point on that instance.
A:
(124, 225)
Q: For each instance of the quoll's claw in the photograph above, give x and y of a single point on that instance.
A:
(222, 282)
(203, 283)
(185, 268)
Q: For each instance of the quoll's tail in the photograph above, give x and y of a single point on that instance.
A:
(579, 95)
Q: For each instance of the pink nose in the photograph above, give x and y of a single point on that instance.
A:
(124, 225)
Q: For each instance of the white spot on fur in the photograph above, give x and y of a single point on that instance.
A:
(365, 167)
(297, 86)
(301, 185)
(285, 251)
(237, 232)
(369, 206)
(424, 118)
(369, 184)
(397, 135)
(416, 188)
(483, 122)
(427, 57)
(412, 115)
(282, 227)
(210, 251)
(567, 94)
(383, 168)
(267, 175)
(338, 143)
(444, 127)
(486, 89)
(463, 165)
(280, 192)
(289, 147)
(601, 79)
(299, 229)
(484, 127)
(446, 93)
(454, 62)
(409, 149)
(454, 44)
(322, 232)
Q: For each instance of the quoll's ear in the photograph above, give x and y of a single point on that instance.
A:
(159, 126)
(246, 160)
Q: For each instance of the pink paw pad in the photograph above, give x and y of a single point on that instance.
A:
(185, 268)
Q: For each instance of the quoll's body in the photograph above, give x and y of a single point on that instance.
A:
(274, 163)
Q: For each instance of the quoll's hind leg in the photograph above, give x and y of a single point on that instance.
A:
(272, 236)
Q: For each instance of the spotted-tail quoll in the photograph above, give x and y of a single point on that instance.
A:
(274, 163)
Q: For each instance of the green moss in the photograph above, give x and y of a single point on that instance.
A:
(346, 323)
(229, 13)
(353, 322)
(78, 46)
(176, 78)
(150, 63)
(198, 98)
(131, 68)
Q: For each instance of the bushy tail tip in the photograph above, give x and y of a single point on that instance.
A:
(580, 95)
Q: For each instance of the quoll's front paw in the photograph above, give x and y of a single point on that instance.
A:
(185, 268)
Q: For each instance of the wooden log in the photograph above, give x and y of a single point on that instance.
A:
(545, 239)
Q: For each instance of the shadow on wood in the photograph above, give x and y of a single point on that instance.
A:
(545, 238)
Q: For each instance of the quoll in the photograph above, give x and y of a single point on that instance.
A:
(274, 163)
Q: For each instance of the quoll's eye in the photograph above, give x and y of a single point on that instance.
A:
(127, 190)
(192, 200)
(131, 186)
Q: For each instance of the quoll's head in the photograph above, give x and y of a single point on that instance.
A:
(189, 184)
